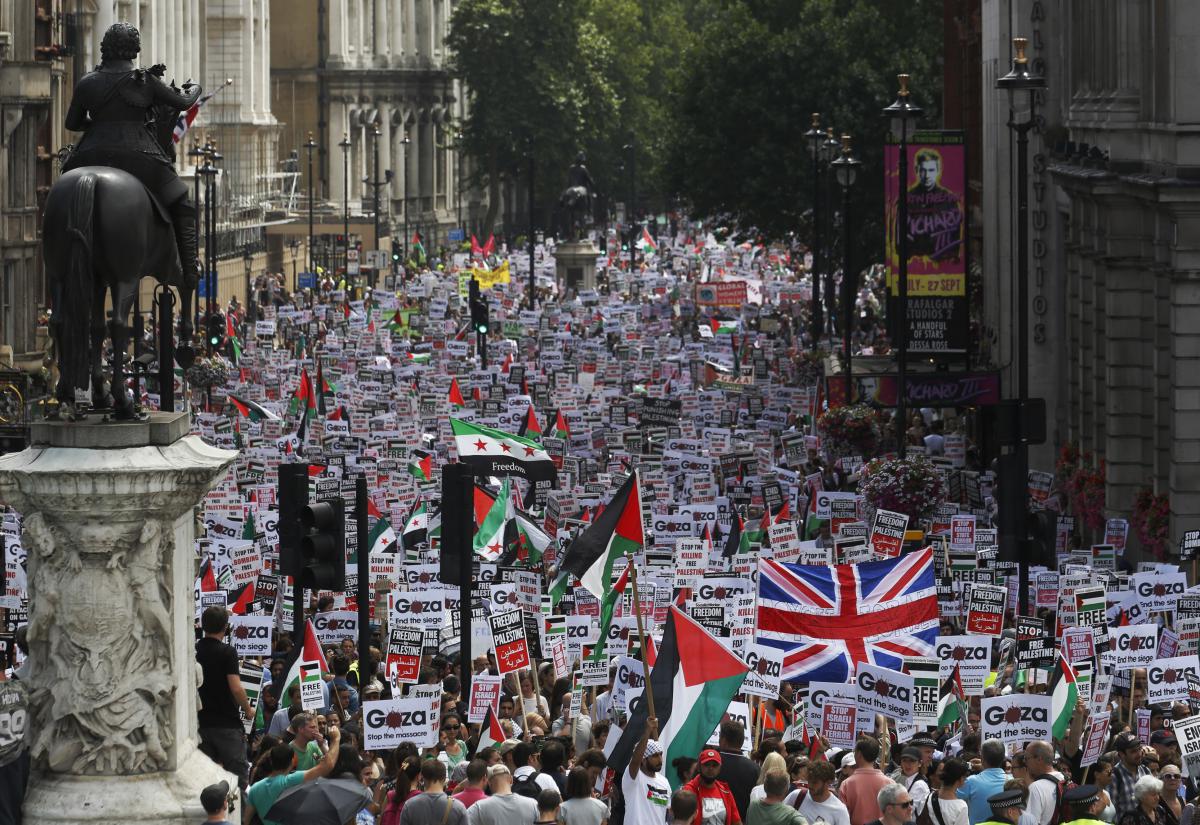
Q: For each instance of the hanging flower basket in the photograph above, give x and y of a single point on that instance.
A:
(903, 485)
(207, 373)
(1152, 520)
(850, 430)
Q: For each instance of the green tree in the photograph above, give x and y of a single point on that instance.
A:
(538, 76)
(756, 71)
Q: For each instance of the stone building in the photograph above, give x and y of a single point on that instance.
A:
(31, 82)
(1115, 235)
(341, 66)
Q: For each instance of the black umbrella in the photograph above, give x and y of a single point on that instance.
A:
(322, 802)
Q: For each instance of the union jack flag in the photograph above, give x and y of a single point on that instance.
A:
(827, 619)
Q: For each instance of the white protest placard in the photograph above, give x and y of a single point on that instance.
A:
(593, 672)
(821, 692)
(766, 666)
(736, 712)
(1167, 678)
(252, 679)
(1101, 688)
(1158, 591)
(1095, 737)
(334, 625)
(887, 533)
(1017, 717)
(389, 722)
(421, 607)
(962, 532)
(1187, 731)
(972, 654)
(251, 635)
(927, 682)
(312, 692)
(485, 693)
(1132, 646)
(785, 543)
(884, 691)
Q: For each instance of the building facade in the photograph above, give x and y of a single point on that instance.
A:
(1115, 236)
(346, 69)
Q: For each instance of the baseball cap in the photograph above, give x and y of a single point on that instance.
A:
(1126, 742)
(507, 745)
(848, 761)
(1163, 736)
(911, 753)
(710, 755)
(214, 798)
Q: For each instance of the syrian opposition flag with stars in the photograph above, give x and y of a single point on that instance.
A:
(495, 453)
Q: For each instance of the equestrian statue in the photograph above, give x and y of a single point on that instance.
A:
(118, 213)
(576, 199)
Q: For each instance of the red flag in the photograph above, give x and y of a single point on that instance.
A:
(490, 246)
(476, 249)
(456, 396)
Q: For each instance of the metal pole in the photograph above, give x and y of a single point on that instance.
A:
(375, 190)
(364, 578)
(902, 320)
(346, 197)
(310, 145)
(532, 267)
(406, 235)
(1021, 472)
(166, 350)
(816, 253)
(849, 291)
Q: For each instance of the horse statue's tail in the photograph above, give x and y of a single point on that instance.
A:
(72, 304)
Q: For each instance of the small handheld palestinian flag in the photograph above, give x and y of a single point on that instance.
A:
(420, 466)
(559, 427)
(646, 244)
(530, 428)
(251, 409)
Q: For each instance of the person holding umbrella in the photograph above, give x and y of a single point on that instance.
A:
(280, 777)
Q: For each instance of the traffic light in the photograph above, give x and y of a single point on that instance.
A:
(395, 250)
(479, 308)
(215, 324)
(323, 545)
(293, 498)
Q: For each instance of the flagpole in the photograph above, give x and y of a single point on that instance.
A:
(637, 611)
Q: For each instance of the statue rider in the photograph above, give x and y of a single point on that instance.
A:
(578, 175)
(115, 105)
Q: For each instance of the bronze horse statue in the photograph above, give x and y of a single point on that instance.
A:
(102, 233)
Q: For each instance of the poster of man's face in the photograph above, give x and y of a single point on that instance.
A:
(929, 171)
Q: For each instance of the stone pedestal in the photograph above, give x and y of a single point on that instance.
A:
(575, 266)
(108, 529)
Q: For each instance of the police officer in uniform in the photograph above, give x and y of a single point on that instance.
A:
(1086, 805)
(1006, 806)
(122, 111)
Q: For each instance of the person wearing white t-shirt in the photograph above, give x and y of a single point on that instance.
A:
(647, 792)
(819, 805)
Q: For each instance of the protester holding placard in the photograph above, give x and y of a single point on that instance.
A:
(281, 775)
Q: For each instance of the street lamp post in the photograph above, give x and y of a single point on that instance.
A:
(900, 113)
(458, 157)
(345, 144)
(1019, 80)
(309, 145)
(248, 263)
(375, 184)
(209, 172)
(846, 169)
(196, 153)
(814, 136)
(630, 149)
(830, 150)
(294, 245)
(530, 240)
(405, 143)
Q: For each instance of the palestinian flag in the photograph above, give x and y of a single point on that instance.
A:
(489, 540)
(559, 427)
(593, 555)
(420, 466)
(533, 539)
(416, 529)
(235, 342)
(720, 327)
(456, 396)
(491, 735)
(304, 398)
(950, 699)
(419, 357)
(1063, 695)
(495, 453)
(382, 538)
(646, 244)
(694, 679)
(739, 538)
(418, 248)
(250, 409)
(530, 427)
(309, 654)
(398, 322)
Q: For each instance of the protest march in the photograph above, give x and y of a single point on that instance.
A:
(701, 578)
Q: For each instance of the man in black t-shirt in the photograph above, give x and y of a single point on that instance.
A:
(222, 736)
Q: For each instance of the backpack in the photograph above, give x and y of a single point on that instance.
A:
(931, 807)
(801, 795)
(1062, 811)
(528, 786)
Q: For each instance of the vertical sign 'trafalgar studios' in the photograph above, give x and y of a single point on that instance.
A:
(937, 239)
